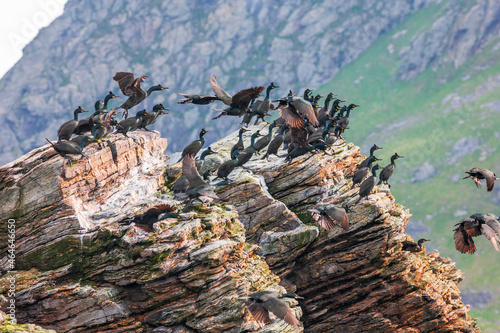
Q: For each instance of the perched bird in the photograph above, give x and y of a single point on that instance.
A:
(239, 145)
(247, 153)
(485, 224)
(199, 162)
(131, 87)
(335, 107)
(150, 117)
(323, 112)
(87, 124)
(107, 98)
(327, 214)
(276, 143)
(238, 104)
(308, 95)
(194, 147)
(345, 119)
(64, 147)
(414, 247)
(131, 123)
(386, 173)
(266, 139)
(227, 167)
(197, 99)
(68, 128)
(369, 183)
(361, 173)
(365, 161)
(198, 188)
(263, 302)
(150, 217)
(476, 174)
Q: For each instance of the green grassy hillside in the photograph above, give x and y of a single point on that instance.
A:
(443, 120)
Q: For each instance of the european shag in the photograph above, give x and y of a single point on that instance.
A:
(131, 87)
(239, 145)
(151, 216)
(294, 110)
(476, 174)
(108, 97)
(199, 162)
(150, 117)
(485, 224)
(64, 147)
(263, 302)
(345, 120)
(327, 214)
(131, 123)
(198, 188)
(69, 127)
(323, 112)
(308, 95)
(276, 143)
(414, 247)
(361, 173)
(368, 185)
(227, 167)
(265, 140)
(365, 161)
(194, 147)
(238, 104)
(247, 153)
(197, 99)
(386, 173)
(335, 107)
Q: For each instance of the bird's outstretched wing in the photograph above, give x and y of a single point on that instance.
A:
(243, 97)
(489, 233)
(305, 108)
(191, 173)
(258, 312)
(463, 242)
(125, 81)
(219, 92)
(281, 310)
(292, 118)
(489, 176)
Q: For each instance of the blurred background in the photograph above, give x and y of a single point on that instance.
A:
(426, 74)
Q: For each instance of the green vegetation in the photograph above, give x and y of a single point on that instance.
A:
(417, 120)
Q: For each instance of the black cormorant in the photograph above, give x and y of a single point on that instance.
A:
(239, 145)
(227, 167)
(276, 143)
(64, 147)
(414, 247)
(131, 87)
(150, 217)
(198, 188)
(485, 224)
(247, 153)
(238, 104)
(361, 173)
(197, 99)
(260, 303)
(368, 185)
(477, 174)
(69, 127)
(386, 173)
(364, 163)
(194, 147)
(265, 140)
(131, 123)
(327, 214)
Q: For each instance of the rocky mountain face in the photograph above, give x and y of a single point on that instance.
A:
(79, 269)
(179, 44)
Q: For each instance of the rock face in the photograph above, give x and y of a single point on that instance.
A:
(81, 270)
(244, 42)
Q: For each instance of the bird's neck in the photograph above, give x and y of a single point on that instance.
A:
(82, 144)
(372, 150)
(327, 103)
(348, 113)
(268, 91)
(150, 90)
(241, 135)
(75, 116)
(106, 100)
(252, 141)
(374, 172)
(270, 133)
(392, 160)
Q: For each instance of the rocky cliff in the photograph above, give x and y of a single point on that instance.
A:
(80, 270)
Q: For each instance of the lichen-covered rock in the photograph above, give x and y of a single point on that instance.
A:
(191, 274)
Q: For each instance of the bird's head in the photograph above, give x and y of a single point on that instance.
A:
(111, 95)
(291, 295)
(79, 110)
(375, 147)
(396, 156)
(348, 209)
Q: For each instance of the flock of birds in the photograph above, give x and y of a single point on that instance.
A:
(302, 127)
